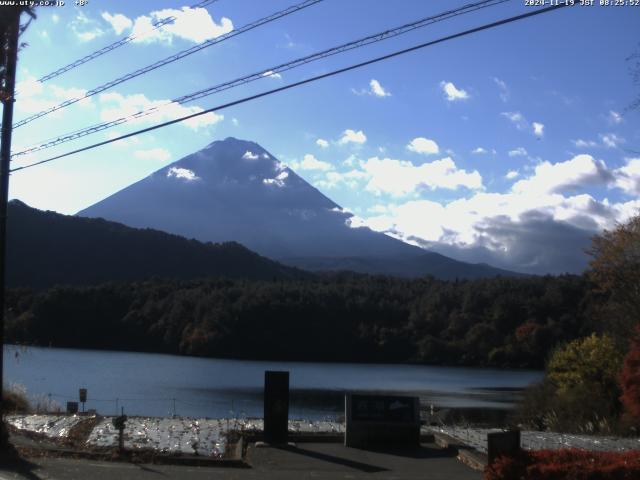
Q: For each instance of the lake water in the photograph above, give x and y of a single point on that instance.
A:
(161, 385)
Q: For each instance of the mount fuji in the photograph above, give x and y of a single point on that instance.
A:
(235, 190)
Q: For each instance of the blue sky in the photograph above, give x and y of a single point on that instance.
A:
(511, 146)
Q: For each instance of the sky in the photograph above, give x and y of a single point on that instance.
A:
(512, 146)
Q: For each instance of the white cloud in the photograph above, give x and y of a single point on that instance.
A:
(290, 42)
(538, 129)
(350, 161)
(380, 208)
(521, 123)
(516, 118)
(248, 155)
(611, 140)
(423, 145)
(504, 90)
(156, 154)
(518, 152)
(87, 36)
(534, 233)
(479, 151)
(549, 178)
(539, 226)
(377, 89)
(322, 143)
(115, 106)
(55, 18)
(452, 93)
(511, 174)
(29, 87)
(309, 162)
(351, 136)
(579, 143)
(272, 74)
(70, 93)
(614, 117)
(399, 177)
(118, 22)
(192, 24)
(35, 97)
(235, 121)
(85, 28)
(183, 173)
(628, 177)
(350, 179)
(278, 181)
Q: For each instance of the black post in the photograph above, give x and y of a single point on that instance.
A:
(503, 444)
(121, 438)
(119, 423)
(276, 407)
(13, 28)
(82, 393)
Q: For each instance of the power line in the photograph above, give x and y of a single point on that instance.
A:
(303, 82)
(378, 37)
(171, 59)
(103, 50)
(117, 44)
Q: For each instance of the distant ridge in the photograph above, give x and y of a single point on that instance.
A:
(428, 263)
(235, 190)
(47, 248)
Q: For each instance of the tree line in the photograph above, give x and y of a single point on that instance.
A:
(514, 322)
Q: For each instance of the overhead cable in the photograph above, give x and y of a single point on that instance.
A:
(303, 82)
(378, 37)
(170, 59)
(117, 44)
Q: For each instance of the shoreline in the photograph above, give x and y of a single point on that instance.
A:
(271, 360)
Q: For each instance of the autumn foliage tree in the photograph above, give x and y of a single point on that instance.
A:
(585, 376)
(615, 273)
(592, 362)
(630, 381)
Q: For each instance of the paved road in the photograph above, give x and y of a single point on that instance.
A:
(307, 461)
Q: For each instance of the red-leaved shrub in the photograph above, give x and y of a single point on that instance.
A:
(526, 330)
(566, 464)
(630, 380)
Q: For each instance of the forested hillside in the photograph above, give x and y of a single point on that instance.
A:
(501, 321)
(47, 248)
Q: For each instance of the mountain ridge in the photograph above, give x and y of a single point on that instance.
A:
(235, 190)
(45, 248)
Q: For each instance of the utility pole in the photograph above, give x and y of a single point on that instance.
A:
(9, 48)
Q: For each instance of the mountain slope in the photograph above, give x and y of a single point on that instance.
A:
(234, 190)
(428, 263)
(47, 248)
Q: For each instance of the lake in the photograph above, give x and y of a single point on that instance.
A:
(163, 385)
